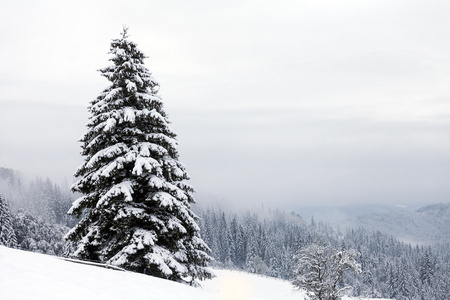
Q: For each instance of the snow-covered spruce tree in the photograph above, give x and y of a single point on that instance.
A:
(7, 235)
(135, 206)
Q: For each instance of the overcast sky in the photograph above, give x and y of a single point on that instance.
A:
(286, 103)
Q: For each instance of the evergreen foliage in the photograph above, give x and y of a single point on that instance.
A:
(49, 202)
(39, 197)
(7, 235)
(135, 201)
(262, 245)
(37, 235)
(265, 243)
(262, 242)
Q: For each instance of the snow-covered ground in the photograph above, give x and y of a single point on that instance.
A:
(26, 275)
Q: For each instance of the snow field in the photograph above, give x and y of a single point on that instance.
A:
(27, 275)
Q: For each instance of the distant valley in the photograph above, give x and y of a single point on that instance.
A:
(426, 225)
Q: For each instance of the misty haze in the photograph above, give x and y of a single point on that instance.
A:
(240, 136)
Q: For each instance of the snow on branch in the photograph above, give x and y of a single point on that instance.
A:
(124, 188)
(108, 152)
(144, 164)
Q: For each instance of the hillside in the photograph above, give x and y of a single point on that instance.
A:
(427, 225)
(26, 275)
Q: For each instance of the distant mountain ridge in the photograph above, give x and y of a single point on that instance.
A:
(427, 225)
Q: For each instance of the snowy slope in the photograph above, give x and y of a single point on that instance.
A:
(26, 275)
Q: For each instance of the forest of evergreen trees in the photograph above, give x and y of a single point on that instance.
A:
(38, 213)
(263, 243)
(266, 244)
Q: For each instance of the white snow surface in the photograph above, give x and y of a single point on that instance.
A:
(27, 275)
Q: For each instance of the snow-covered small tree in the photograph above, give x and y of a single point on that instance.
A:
(135, 206)
(7, 235)
(320, 269)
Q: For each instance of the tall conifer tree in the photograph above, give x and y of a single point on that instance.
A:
(7, 234)
(135, 206)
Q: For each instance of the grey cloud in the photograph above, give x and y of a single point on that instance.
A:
(287, 103)
(41, 139)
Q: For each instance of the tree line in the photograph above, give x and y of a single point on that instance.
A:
(266, 243)
(33, 214)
